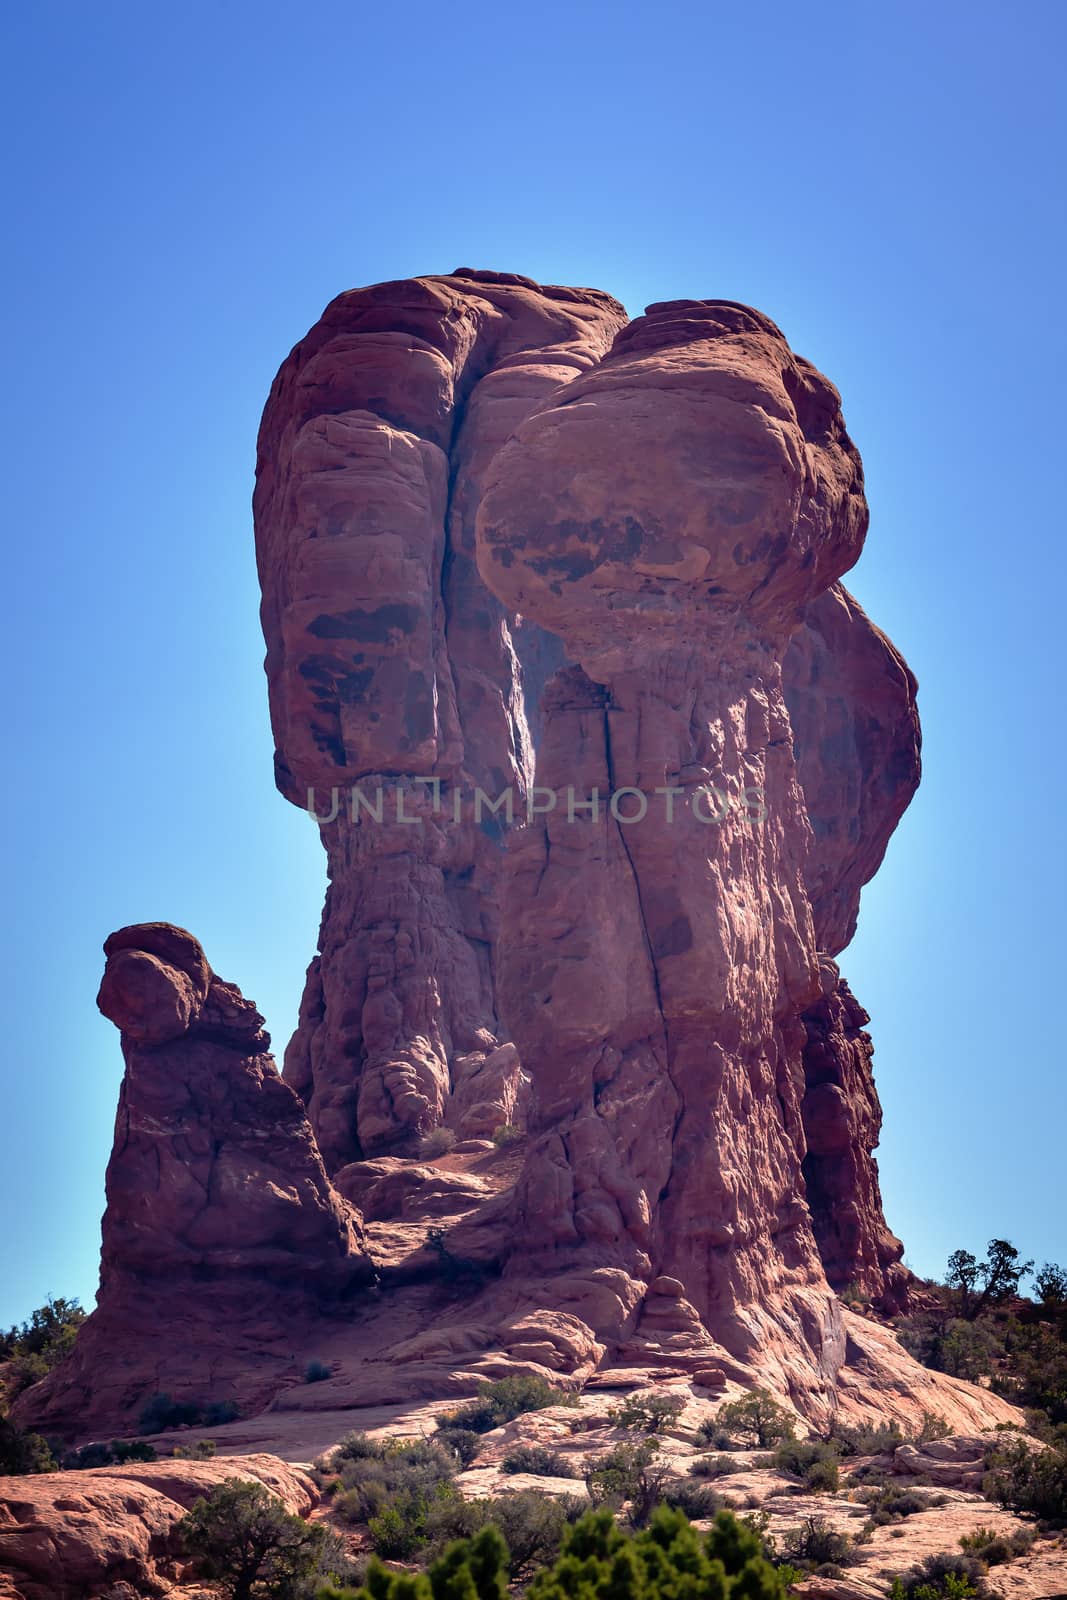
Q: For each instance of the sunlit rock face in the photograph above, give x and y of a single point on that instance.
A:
(391, 665)
(511, 541)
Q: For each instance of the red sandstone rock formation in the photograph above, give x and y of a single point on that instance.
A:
(390, 663)
(219, 1211)
(110, 1532)
(662, 510)
(851, 701)
(670, 514)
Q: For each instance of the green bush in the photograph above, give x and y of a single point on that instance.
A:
(696, 1500)
(536, 1458)
(242, 1537)
(892, 1504)
(649, 1413)
(947, 1576)
(871, 1439)
(1033, 1482)
(712, 1467)
(985, 1544)
(22, 1454)
(317, 1372)
(755, 1420)
(503, 1401)
(438, 1142)
(668, 1560)
(104, 1455)
(628, 1475)
(798, 1456)
(373, 1476)
(463, 1442)
(163, 1413)
(33, 1348)
(823, 1477)
(815, 1543)
(506, 1134)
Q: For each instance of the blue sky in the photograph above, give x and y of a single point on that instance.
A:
(187, 188)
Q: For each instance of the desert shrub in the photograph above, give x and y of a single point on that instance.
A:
(696, 1500)
(647, 1413)
(531, 1524)
(242, 1537)
(1051, 1284)
(872, 1439)
(628, 1475)
(438, 1142)
(398, 1531)
(21, 1453)
(823, 1476)
(712, 1467)
(815, 1543)
(933, 1426)
(950, 1344)
(536, 1458)
(374, 1476)
(463, 1442)
(506, 1134)
(755, 1419)
(503, 1401)
(985, 1544)
(891, 1504)
(104, 1455)
(317, 1372)
(1032, 1482)
(797, 1456)
(598, 1561)
(947, 1576)
(1037, 1378)
(162, 1413)
(34, 1347)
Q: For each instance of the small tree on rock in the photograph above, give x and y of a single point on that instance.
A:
(242, 1536)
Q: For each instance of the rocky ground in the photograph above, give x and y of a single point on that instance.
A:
(107, 1532)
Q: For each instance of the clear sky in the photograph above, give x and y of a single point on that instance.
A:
(189, 185)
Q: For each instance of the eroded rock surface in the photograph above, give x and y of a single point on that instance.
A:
(76, 1535)
(390, 664)
(219, 1211)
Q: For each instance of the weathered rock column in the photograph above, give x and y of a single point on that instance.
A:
(389, 663)
(670, 515)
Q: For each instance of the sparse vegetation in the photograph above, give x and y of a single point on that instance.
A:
(317, 1372)
(22, 1453)
(502, 1401)
(162, 1413)
(438, 1142)
(1029, 1481)
(647, 1413)
(947, 1576)
(506, 1134)
(985, 1544)
(539, 1460)
(815, 1544)
(628, 1476)
(242, 1537)
(32, 1349)
(756, 1420)
(597, 1560)
(106, 1455)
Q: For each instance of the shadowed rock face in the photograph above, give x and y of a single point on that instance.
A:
(218, 1202)
(856, 737)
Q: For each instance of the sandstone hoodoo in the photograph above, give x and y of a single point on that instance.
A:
(601, 755)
